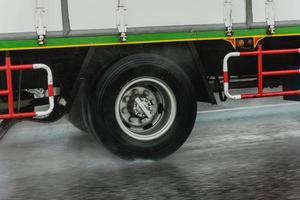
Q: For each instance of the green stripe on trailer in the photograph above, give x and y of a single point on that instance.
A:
(85, 41)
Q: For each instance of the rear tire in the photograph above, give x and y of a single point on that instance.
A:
(144, 106)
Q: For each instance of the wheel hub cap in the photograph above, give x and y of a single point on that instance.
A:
(145, 108)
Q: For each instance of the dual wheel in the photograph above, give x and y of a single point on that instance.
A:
(143, 106)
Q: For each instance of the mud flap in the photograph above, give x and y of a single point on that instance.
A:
(292, 83)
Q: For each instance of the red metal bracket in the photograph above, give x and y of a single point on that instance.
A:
(8, 68)
(259, 53)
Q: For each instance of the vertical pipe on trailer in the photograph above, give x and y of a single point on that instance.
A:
(260, 70)
(9, 85)
(40, 25)
(270, 15)
(39, 3)
(228, 17)
(121, 20)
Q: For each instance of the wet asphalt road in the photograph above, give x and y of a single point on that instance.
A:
(248, 153)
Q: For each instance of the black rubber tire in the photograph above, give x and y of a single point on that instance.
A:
(103, 122)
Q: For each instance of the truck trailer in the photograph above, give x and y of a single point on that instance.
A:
(131, 72)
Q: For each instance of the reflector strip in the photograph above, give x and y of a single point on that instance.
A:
(50, 91)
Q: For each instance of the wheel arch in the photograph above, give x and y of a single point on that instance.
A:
(99, 59)
(183, 54)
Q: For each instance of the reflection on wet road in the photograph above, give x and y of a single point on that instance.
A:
(238, 154)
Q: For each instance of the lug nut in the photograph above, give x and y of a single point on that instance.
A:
(152, 101)
(144, 120)
(131, 119)
(143, 99)
(146, 93)
(126, 99)
(124, 110)
(135, 91)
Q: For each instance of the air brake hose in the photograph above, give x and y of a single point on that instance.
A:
(219, 88)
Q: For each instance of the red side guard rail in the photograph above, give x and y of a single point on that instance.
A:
(259, 53)
(8, 68)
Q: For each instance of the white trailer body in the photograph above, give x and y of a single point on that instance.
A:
(92, 17)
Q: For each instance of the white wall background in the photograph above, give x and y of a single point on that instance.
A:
(143, 13)
(285, 10)
(92, 14)
(101, 14)
(17, 16)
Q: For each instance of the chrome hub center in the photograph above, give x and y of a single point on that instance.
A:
(145, 108)
(138, 106)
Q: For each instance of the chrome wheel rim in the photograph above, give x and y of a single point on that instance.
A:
(145, 108)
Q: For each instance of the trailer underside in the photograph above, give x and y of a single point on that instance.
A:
(86, 81)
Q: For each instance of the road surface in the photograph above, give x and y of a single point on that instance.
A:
(236, 151)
